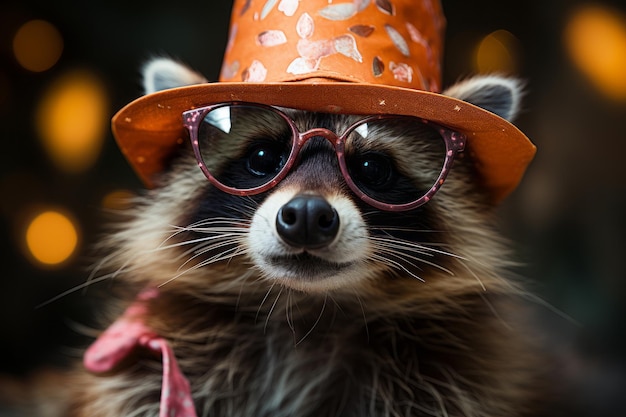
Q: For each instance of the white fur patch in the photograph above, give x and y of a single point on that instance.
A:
(349, 250)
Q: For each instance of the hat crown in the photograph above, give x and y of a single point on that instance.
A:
(388, 42)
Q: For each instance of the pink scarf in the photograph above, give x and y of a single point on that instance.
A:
(129, 332)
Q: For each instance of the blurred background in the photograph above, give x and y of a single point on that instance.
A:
(66, 67)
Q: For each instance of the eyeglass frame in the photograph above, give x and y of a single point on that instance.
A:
(454, 142)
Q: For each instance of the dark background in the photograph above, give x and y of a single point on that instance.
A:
(567, 218)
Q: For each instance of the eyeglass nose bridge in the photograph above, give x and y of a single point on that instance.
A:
(337, 142)
(327, 134)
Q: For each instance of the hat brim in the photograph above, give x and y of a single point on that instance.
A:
(149, 129)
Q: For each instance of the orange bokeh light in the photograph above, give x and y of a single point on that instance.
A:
(497, 52)
(51, 238)
(596, 40)
(37, 45)
(72, 120)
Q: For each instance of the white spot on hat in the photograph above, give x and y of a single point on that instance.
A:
(255, 73)
(271, 38)
(288, 7)
(401, 72)
(302, 66)
(267, 8)
(339, 11)
(305, 26)
(346, 45)
(398, 40)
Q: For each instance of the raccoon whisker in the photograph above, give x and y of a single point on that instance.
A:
(214, 242)
(336, 310)
(237, 224)
(289, 317)
(396, 265)
(402, 255)
(494, 310)
(244, 280)
(403, 249)
(430, 246)
(267, 294)
(405, 244)
(337, 305)
(229, 254)
(204, 247)
(269, 314)
(472, 273)
(77, 288)
(198, 240)
(299, 309)
(209, 225)
(210, 241)
(367, 331)
(215, 220)
(202, 223)
(403, 229)
(217, 230)
(218, 257)
(319, 318)
(97, 268)
(224, 221)
(218, 234)
(247, 210)
(91, 280)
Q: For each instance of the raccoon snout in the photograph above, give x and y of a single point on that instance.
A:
(307, 221)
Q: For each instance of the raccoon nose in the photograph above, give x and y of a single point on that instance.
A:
(307, 221)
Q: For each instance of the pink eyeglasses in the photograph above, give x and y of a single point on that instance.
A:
(263, 143)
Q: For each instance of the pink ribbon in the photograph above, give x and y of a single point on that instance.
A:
(129, 332)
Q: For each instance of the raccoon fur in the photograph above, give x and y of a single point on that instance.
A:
(399, 314)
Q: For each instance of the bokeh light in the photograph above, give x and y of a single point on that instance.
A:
(72, 120)
(498, 52)
(117, 200)
(51, 237)
(37, 45)
(596, 40)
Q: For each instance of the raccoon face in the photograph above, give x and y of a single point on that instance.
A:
(310, 231)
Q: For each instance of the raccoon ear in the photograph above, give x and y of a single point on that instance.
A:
(163, 73)
(499, 95)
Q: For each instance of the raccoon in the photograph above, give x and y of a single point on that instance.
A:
(303, 299)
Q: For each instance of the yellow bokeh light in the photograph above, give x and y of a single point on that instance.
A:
(596, 40)
(497, 52)
(72, 120)
(51, 238)
(37, 45)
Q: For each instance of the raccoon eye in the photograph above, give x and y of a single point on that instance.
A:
(265, 159)
(374, 170)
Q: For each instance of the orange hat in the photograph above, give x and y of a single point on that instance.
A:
(353, 57)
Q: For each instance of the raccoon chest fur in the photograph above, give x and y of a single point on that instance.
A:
(323, 357)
